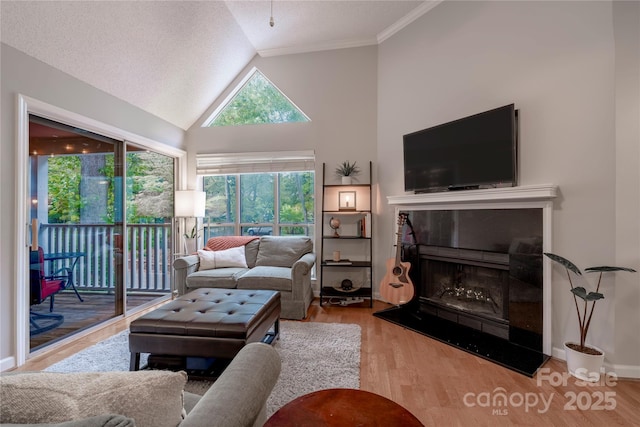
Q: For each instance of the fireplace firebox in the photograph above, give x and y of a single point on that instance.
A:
(469, 292)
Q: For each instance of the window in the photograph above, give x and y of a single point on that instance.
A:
(256, 204)
(256, 100)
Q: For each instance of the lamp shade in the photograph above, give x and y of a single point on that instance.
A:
(189, 203)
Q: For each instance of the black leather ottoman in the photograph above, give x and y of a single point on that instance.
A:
(206, 323)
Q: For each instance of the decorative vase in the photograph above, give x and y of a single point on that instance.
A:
(190, 244)
(584, 366)
(347, 180)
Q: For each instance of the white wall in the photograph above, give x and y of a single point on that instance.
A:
(556, 62)
(336, 89)
(626, 18)
(24, 75)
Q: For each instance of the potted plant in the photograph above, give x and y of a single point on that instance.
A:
(584, 361)
(347, 171)
(191, 239)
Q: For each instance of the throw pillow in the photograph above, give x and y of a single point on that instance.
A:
(282, 251)
(207, 259)
(151, 398)
(232, 257)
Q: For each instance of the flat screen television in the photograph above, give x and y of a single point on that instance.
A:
(478, 151)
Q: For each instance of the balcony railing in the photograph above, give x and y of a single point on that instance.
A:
(148, 267)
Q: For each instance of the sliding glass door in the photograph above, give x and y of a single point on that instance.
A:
(100, 229)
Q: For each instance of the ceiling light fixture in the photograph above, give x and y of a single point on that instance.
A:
(271, 22)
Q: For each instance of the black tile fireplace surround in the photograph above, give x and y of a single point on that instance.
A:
(513, 356)
(478, 283)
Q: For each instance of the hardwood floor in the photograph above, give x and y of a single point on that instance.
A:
(94, 309)
(444, 386)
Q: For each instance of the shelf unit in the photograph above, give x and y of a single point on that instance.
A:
(352, 239)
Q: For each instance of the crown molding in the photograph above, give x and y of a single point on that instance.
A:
(407, 19)
(342, 44)
(345, 44)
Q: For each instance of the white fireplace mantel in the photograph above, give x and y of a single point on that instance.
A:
(521, 193)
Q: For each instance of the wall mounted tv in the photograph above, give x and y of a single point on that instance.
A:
(478, 151)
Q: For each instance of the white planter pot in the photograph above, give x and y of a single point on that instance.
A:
(584, 366)
(190, 245)
(347, 180)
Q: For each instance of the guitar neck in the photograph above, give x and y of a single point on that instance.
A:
(398, 243)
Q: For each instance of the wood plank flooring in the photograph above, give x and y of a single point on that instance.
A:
(444, 386)
(78, 315)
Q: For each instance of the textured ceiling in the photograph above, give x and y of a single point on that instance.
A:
(174, 58)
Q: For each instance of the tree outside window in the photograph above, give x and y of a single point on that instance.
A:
(268, 203)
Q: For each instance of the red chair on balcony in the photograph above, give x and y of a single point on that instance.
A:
(43, 287)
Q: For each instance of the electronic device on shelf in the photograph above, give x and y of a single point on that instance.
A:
(478, 151)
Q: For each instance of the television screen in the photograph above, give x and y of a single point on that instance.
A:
(478, 151)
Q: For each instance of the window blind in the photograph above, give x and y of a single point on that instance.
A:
(274, 161)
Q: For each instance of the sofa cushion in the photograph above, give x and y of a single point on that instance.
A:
(218, 278)
(47, 397)
(279, 251)
(267, 278)
(251, 252)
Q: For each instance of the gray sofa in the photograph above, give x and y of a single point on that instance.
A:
(236, 399)
(279, 263)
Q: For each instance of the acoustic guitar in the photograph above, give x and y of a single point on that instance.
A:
(396, 287)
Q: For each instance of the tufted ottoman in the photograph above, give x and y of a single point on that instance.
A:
(206, 323)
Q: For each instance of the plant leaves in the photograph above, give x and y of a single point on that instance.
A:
(594, 296)
(564, 262)
(606, 268)
(581, 292)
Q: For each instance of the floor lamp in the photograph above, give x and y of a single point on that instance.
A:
(189, 204)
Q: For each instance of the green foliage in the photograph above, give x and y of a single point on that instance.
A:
(194, 233)
(296, 197)
(258, 198)
(258, 101)
(584, 315)
(64, 202)
(149, 188)
(347, 169)
(221, 198)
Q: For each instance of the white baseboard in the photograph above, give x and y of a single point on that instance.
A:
(622, 371)
(627, 371)
(7, 363)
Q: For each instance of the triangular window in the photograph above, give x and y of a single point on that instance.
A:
(254, 101)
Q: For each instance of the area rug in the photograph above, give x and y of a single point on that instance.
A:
(315, 356)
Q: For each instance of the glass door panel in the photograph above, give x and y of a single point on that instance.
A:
(77, 224)
(149, 207)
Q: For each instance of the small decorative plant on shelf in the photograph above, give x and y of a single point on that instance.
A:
(584, 310)
(347, 171)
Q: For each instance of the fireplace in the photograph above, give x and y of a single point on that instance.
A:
(478, 274)
(465, 291)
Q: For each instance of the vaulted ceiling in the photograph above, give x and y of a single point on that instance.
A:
(174, 58)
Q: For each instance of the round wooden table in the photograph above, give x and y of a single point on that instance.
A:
(342, 407)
